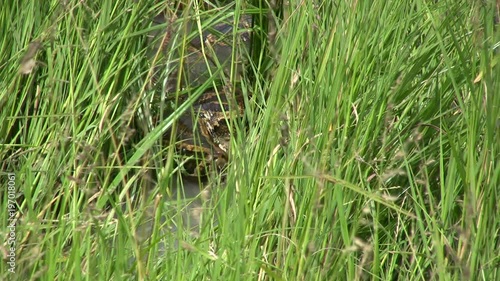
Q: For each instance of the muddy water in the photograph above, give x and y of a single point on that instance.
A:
(173, 221)
(182, 208)
(173, 216)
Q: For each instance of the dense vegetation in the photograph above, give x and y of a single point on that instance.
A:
(369, 148)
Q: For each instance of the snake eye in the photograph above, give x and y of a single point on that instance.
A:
(221, 163)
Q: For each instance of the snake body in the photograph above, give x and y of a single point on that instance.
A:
(203, 132)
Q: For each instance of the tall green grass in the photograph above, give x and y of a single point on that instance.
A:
(369, 151)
